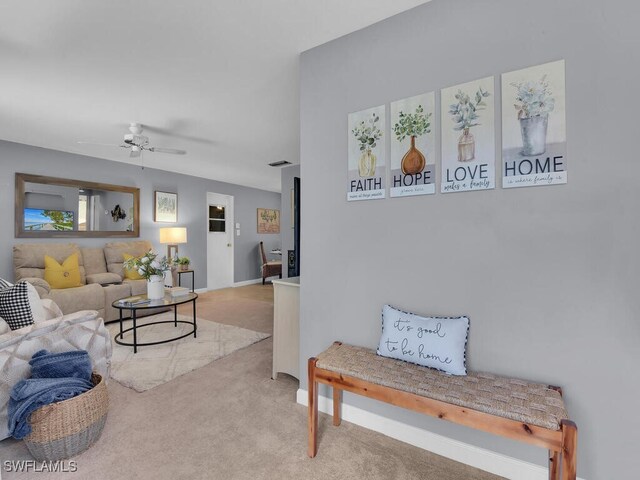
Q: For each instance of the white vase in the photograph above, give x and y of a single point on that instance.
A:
(155, 287)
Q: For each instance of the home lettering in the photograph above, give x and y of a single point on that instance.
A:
(527, 167)
(462, 173)
(366, 184)
(430, 356)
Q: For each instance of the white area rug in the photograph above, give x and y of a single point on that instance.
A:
(157, 364)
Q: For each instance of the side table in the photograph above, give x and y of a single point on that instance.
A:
(193, 278)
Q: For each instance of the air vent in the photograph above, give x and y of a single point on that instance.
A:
(281, 163)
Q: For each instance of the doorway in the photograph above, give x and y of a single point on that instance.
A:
(219, 241)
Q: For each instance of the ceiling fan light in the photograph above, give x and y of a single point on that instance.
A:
(135, 128)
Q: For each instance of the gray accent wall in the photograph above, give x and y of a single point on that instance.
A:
(548, 275)
(286, 226)
(192, 201)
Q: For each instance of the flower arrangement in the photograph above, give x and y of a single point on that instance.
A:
(368, 133)
(412, 124)
(534, 99)
(465, 112)
(148, 265)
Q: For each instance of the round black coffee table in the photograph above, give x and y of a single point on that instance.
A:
(143, 303)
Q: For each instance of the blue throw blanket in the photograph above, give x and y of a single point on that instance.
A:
(30, 394)
(56, 377)
(75, 363)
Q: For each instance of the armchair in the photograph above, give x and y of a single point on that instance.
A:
(269, 268)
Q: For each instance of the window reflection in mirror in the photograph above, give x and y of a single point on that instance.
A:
(53, 207)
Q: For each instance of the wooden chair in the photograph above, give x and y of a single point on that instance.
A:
(269, 268)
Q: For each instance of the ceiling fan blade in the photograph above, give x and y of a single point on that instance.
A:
(167, 150)
(104, 144)
(174, 131)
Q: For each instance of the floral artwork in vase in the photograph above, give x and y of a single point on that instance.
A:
(468, 136)
(367, 171)
(533, 126)
(413, 146)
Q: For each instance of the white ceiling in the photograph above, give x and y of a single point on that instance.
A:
(218, 78)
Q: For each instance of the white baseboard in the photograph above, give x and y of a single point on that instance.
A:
(477, 457)
(234, 285)
(248, 282)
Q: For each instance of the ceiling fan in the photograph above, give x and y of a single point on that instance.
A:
(138, 143)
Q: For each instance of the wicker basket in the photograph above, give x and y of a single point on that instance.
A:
(64, 429)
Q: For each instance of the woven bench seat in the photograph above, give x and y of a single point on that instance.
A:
(530, 403)
(529, 412)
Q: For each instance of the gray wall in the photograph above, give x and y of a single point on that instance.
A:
(286, 226)
(548, 275)
(192, 211)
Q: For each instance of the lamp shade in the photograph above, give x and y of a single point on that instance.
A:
(173, 235)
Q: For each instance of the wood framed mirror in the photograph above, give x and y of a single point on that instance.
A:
(49, 207)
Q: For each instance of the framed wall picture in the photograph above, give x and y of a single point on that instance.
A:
(166, 207)
(534, 138)
(268, 220)
(413, 156)
(366, 161)
(468, 137)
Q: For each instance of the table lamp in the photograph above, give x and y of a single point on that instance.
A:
(173, 236)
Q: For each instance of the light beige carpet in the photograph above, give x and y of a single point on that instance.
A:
(229, 421)
(154, 365)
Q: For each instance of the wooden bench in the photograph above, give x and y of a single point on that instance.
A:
(529, 412)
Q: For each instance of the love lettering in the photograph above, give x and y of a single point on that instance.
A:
(460, 174)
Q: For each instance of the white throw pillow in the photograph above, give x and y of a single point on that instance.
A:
(4, 326)
(51, 309)
(436, 342)
(35, 303)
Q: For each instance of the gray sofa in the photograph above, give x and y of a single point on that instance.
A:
(101, 272)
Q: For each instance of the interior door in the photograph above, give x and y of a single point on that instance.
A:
(219, 241)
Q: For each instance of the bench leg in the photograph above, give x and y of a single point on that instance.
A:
(313, 409)
(569, 449)
(554, 465)
(337, 405)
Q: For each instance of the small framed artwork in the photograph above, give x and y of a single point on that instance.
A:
(268, 220)
(166, 207)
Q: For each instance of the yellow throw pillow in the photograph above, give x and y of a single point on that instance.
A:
(131, 274)
(66, 275)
